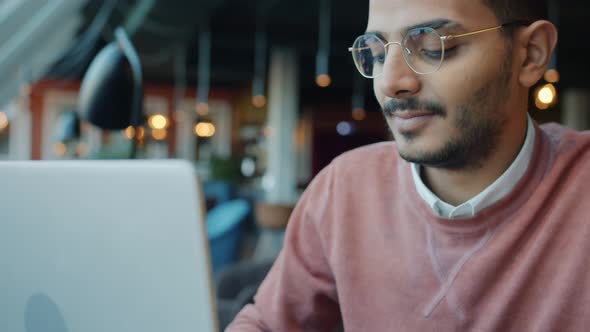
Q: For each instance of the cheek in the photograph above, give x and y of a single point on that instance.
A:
(454, 85)
(456, 89)
(462, 79)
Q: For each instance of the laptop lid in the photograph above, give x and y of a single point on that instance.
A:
(93, 246)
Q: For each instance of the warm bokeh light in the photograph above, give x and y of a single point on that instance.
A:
(60, 149)
(204, 129)
(129, 132)
(140, 133)
(202, 108)
(323, 80)
(82, 149)
(359, 114)
(3, 121)
(158, 121)
(159, 134)
(259, 101)
(552, 76)
(541, 106)
(547, 94)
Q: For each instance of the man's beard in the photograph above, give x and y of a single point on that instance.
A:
(479, 120)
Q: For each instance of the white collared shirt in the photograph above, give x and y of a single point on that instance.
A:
(493, 193)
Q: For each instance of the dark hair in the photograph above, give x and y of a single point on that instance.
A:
(511, 10)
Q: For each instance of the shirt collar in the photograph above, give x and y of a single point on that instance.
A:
(493, 193)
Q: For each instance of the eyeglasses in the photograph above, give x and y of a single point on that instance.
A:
(423, 50)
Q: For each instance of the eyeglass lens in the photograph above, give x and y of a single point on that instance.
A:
(423, 51)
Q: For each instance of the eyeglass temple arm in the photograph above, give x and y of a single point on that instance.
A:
(518, 22)
(449, 37)
(350, 49)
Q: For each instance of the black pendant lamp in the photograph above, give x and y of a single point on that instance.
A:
(68, 127)
(111, 95)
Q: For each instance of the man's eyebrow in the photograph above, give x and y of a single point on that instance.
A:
(435, 24)
(375, 33)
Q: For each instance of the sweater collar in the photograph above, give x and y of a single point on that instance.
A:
(490, 195)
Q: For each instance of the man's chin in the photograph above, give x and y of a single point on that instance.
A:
(426, 136)
(413, 156)
(415, 142)
(446, 157)
(424, 159)
(424, 153)
(410, 152)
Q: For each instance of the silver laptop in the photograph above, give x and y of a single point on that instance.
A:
(95, 246)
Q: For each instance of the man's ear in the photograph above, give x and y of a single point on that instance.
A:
(536, 46)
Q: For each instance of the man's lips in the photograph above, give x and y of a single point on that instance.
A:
(406, 115)
(406, 121)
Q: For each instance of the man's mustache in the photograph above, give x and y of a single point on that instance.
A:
(412, 104)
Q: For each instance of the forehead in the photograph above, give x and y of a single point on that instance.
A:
(392, 16)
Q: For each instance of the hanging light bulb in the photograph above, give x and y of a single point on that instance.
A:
(205, 129)
(359, 114)
(129, 132)
(60, 149)
(158, 121)
(159, 134)
(3, 121)
(545, 96)
(140, 133)
(204, 74)
(552, 76)
(358, 99)
(323, 78)
(258, 84)
(259, 101)
(202, 109)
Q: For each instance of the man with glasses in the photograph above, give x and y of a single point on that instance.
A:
(474, 219)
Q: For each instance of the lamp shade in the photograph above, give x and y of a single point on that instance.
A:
(106, 94)
(68, 127)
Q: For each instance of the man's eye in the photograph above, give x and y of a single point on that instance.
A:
(379, 58)
(437, 53)
(378, 54)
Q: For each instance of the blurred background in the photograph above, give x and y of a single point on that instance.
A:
(258, 95)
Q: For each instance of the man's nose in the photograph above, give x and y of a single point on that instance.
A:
(398, 79)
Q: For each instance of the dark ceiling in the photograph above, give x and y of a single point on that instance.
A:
(290, 23)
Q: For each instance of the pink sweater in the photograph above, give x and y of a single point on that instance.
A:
(364, 248)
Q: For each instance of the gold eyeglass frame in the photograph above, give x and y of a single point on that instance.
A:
(443, 39)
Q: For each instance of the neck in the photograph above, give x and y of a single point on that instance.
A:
(458, 186)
